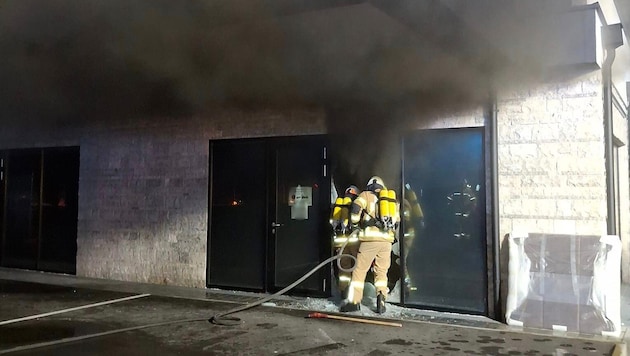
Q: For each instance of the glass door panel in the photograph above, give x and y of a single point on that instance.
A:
(446, 260)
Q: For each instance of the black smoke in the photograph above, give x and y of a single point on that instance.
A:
(376, 67)
(66, 60)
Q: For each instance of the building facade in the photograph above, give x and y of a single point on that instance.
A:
(213, 199)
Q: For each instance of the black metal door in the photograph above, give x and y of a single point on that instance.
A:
(3, 174)
(21, 228)
(302, 191)
(268, 209)
(237, 247)
(59, 210)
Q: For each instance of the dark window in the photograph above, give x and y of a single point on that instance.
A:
(39, 225)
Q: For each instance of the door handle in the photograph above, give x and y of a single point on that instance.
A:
(275, 224)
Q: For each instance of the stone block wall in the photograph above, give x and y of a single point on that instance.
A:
(143, 196)
(143, 192)
(470, 118)
(551, 158)
(552, 165)
(552, 175)
(143, 208)
(143, 187)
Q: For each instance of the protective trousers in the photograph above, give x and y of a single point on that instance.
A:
(380, 253)
(343, 280)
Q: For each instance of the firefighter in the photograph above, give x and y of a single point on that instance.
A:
(375, 212)
(340, 222)
(413, 216)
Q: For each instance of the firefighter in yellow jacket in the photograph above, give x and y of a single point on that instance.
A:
(342, 238)
(375, 212)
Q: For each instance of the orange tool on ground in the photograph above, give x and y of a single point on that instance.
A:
(358, 320)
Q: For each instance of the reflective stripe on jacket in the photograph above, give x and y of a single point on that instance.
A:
(339, 240)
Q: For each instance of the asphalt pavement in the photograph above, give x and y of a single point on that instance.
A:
(51, 314)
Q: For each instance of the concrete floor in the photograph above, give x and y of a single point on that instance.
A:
(49, 314)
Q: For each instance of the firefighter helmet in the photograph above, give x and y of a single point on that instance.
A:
(353, 190)
(375, 183)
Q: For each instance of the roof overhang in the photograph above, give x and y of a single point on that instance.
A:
(623, 8)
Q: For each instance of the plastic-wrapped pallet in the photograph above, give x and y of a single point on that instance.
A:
(565, 282)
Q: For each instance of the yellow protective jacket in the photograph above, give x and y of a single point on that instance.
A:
(364, 209)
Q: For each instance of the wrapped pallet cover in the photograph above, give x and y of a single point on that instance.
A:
(565, 282)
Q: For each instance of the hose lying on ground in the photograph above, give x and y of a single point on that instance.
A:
(221, 319)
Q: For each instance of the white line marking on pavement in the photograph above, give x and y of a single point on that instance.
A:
(73, 309)
(328, 338)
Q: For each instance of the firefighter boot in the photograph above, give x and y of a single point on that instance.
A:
(380, 303)
(350, 307)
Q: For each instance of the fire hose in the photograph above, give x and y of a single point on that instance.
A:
(221, 319)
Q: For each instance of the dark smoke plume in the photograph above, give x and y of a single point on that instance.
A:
(371, 64)
(66, 59)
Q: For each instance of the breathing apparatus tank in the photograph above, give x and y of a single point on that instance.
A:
(336, 215)
(345, 212)
(387, 207)
(391, 195)
(383, 206)
(393, 208)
